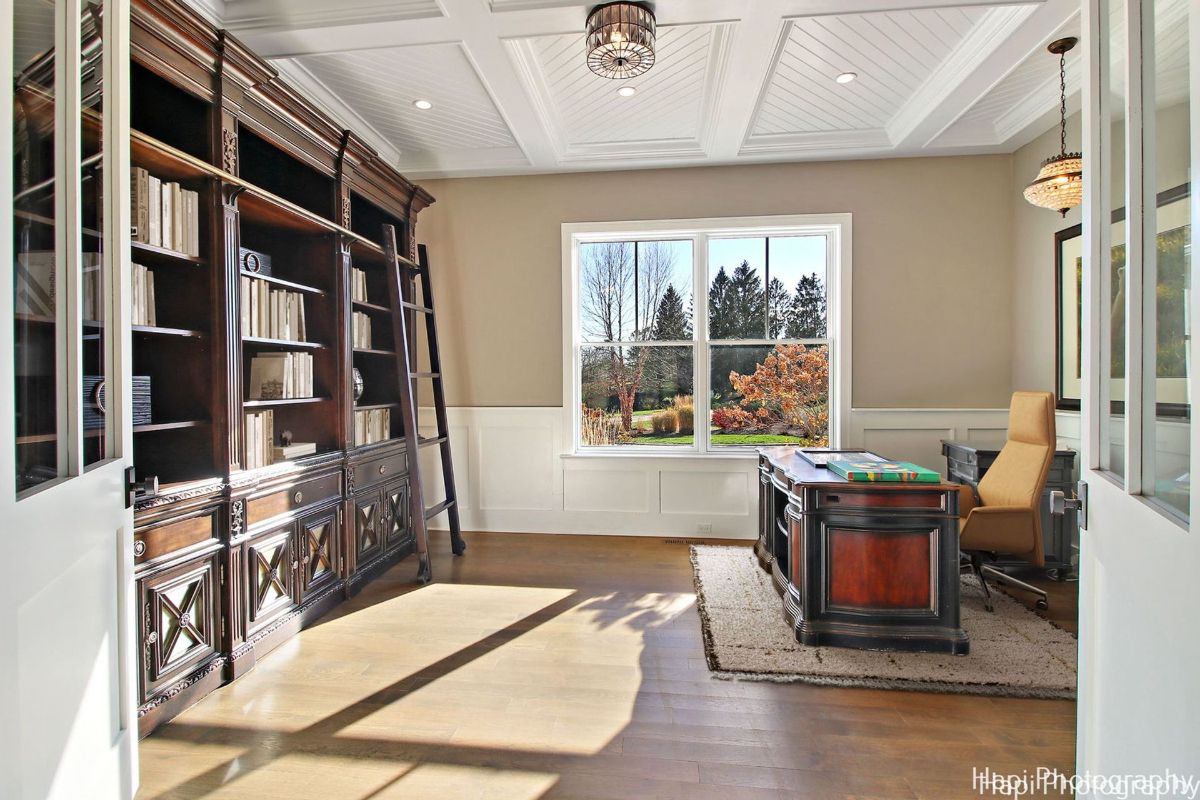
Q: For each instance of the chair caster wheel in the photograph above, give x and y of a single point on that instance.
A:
(1041, 605)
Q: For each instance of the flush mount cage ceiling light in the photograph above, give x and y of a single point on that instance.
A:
(620, 40)
(1059, 183)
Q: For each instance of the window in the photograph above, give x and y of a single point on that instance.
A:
(705, 336)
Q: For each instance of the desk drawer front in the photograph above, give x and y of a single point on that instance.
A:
(372, 473)
(904, 498)
(152, 543)
(299, 495)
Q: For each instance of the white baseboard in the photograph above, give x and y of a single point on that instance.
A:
(512, 475)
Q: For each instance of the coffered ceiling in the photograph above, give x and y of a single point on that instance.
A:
(734, 81)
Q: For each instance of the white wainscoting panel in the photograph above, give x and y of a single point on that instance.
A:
(685, 491)
(514, 474)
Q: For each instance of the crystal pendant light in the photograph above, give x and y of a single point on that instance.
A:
(1059, 183)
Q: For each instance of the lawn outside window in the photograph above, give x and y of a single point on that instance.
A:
(706, 337)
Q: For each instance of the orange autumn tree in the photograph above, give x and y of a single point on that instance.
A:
(789, 388)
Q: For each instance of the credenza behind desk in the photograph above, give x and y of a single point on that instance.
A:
(866, 565)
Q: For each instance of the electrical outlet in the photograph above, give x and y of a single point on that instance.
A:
(704, 527)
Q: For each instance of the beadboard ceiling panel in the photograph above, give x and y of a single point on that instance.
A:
(381, 86)
(733, 82)
(892, 54)
(583, 110)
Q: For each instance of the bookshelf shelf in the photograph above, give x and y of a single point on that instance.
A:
(258, 341)
(376, 406)
(158, 427)
(287, 401)
(157, 330)
(284, 284)
(373, 352)
(160, 255)
(372, 308)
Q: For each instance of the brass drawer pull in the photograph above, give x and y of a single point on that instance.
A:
(298, 497)
(382, 469)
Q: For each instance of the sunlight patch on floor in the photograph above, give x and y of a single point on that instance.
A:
(441, 781)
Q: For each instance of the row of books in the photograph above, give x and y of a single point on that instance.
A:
(144, 312)
(36, 284)
(360, 330)
(372, 425)
(281, 376)
(358, 285)
(260, 438)
(272, 313)
(164, 213)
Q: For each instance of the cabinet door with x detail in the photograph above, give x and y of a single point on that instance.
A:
(317, 536)
(179, 619)
(271, 580)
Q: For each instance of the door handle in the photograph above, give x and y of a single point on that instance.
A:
(1060, 503)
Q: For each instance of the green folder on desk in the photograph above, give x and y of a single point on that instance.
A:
(884, 471)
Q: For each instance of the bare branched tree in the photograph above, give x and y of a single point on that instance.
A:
(621, 287)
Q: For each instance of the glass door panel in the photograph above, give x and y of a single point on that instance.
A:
(1166, 445)
(39, 377)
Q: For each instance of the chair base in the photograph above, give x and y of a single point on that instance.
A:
(977, 566)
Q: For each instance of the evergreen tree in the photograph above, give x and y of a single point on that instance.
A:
(719, 312)
(779, 308)
(749, 303)
(807, 318)
(671, 322)
(669, 369)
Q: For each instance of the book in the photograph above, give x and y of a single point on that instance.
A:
(293, 450)
(360, 330)
(271, 313)
(358, 285)
(281, 376)
(372, 425)
(260, 436)
(883, 471)
(154, 207)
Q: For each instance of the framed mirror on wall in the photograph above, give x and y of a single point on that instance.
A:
(1174, 248)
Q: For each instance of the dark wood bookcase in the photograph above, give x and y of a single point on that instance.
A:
(231, 561)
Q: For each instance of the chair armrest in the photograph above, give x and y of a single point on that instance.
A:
(999, 529)
(968, 499)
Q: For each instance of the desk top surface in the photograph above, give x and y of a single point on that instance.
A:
(800, 470)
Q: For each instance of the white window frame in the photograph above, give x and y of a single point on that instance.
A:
(837, 227)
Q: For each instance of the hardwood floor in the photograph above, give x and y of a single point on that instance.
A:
(562, 666)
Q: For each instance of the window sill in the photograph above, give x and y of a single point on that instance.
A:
(742, 455)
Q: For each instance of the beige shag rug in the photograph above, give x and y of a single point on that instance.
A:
(1014, 652)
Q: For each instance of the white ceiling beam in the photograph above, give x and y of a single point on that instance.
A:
(751, 62)
(496, 71)
(997, 44)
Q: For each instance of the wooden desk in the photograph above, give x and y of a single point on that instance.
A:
(867, 565)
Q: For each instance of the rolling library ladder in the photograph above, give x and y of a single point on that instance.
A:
(402, 280)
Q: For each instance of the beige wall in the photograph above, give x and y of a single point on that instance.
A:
(1034, 335)
(933, 255)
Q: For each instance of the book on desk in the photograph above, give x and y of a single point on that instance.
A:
(883, 471)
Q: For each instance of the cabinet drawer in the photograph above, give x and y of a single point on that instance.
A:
(160, 540)
(290, 498)
(371, 473)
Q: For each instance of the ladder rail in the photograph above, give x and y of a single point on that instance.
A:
(402, 290)
(408, 413)
(457, 544)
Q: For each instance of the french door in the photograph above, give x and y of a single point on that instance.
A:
(66, 643)
(1139, 691)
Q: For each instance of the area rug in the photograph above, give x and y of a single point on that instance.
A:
(1014, 652)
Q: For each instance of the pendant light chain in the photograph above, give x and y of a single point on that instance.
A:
(1062, 106)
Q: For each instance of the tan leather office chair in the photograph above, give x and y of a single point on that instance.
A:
(1003, 514)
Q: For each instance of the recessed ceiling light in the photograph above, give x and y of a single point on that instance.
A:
(425, 105)
(846, 77)
(627, 91)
